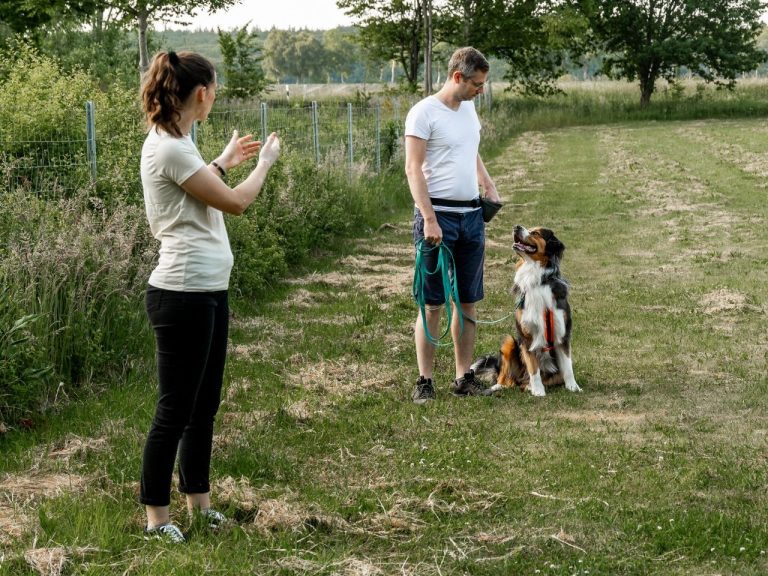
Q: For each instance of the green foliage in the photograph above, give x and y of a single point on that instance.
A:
(243, 75)
(301, 207)
(42, 105)
(716, 40)
(78, 271)
(390, 30)
(24, 368)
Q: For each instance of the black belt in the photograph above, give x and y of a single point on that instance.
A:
(474, 203)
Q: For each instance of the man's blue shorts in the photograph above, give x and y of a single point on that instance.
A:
(464, 235)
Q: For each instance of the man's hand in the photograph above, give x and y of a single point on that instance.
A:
(432, 232)
(490, 192)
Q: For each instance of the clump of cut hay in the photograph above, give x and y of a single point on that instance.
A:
(300, 411)
(51, 561)
(284, 514)
(238, 493)
(47, 561)
(342, 376)
(74, 445)
(722, 300)
(24, 488)
(13, 524)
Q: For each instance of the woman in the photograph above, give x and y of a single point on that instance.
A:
(186, 299)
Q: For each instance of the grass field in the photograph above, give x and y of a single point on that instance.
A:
(658, 467)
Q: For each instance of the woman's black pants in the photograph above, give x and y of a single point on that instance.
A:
(191, 335)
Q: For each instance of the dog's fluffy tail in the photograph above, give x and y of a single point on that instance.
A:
(487, 367)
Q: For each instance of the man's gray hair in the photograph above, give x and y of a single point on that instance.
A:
(467, 60)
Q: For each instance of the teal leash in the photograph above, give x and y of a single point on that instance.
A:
(450, 290)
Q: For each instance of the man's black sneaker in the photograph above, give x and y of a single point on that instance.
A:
(468, 386)
(424, 391)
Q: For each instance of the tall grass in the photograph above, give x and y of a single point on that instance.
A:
(79, 271)
(589, 103)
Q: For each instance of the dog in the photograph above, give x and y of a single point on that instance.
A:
(540, 355)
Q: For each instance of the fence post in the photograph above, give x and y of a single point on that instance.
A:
(90, 120)
(316, 131)
(263, 122)
(193, 132)
(349, 136)
(397, 116)
(378, 138)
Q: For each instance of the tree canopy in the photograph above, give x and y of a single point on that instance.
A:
(243, 74)
(650, 39)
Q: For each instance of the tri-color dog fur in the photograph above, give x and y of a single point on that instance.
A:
(540, 355)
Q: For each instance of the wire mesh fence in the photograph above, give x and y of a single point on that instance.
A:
(359, 136)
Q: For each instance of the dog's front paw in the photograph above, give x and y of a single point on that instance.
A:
(537, 389)
(572, 386)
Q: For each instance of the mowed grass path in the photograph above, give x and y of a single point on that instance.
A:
(658, 467)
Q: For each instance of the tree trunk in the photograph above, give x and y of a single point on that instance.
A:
(143, 55)
(647, 86)
(428, 47)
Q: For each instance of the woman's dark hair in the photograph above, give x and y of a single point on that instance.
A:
(167, 84)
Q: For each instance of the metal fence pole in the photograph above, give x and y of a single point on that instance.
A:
(263, 122)
(90, 120)
(378, 138)
(316, 131)
(193, 133)
(397, 117)
(349, 137)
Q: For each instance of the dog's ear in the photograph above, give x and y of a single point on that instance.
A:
(554, 247)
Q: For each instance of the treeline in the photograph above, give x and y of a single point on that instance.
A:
(408, 41)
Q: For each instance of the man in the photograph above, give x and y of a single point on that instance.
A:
(444, 169)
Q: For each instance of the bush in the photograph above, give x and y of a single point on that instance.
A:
(43, 123)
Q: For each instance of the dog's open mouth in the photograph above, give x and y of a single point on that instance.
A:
(523, 247)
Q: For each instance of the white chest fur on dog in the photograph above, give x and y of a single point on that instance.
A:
(538, 300)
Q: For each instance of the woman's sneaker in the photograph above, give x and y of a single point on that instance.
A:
(424, 391)
(214, 518)
(166, 532)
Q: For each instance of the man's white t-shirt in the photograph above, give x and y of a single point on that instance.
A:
(195, 255)
(453, 141)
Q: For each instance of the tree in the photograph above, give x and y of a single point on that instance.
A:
(290, 54)
(650, 39)
(30, 17)
(390, 30)
(243, 75)
(141, 12)
(342, 53)
(535, 37)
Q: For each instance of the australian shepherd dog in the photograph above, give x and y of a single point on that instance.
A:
(540, 355)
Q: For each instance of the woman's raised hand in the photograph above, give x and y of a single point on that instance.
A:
(239, 149)
(271, 149)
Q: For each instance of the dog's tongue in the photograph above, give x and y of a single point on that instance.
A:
(524, 247)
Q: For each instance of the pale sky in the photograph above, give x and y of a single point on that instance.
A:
(283, 14)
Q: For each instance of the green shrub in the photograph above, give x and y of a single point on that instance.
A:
(43, 123)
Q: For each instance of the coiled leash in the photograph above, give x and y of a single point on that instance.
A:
(450, 290)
